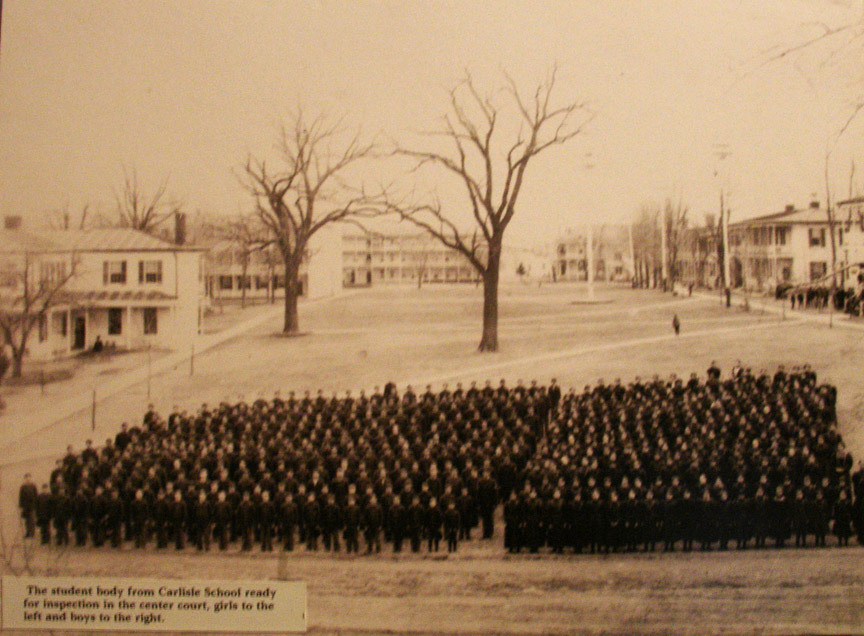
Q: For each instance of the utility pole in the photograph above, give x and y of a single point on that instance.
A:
(721, 151)
(664, 264)
(590, 255)
(724, 231)
(632, 251)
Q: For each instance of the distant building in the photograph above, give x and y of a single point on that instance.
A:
(232, 269)
(611, 254)
(790, 247)
(123, 286)
(850, 218)
(393, 257)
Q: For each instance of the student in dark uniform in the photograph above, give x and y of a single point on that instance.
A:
(139, 515)
(414, 523)
(434, 519)
(373, 518)
(80, 510)
(487, 501)
(114, 518)
(451, 526)
(331, 523)
(311, 516)
(353, 523)
(27, 496)
(398, 518)
(267, 515)
(178, 518)
(288, 514)
(202, 521)
(62, 511)
(247, 518)
(842, 519)
(222, 514)
(98, 515)
(44, 512)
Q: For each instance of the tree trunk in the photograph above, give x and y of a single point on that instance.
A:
(292, 320)
(17, 362)
(489, 341)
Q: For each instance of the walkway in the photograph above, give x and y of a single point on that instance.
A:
(42, 415)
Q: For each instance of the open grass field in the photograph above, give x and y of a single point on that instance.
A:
(429, 336)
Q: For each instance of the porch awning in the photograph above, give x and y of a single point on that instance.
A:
(108, 297)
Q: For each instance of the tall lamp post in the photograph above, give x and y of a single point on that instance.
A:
(721, 151)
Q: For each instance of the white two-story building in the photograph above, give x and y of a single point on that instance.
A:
(125, 287)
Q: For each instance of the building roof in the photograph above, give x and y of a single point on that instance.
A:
(19, 241)
(808, 215)
(852, 200)
(111, 240)
(96, 240)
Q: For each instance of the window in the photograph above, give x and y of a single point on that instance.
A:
(261, 282)
(149, 271)
(226, 282)
(817, 270)
(244, 282)
(151, 321)
(817, 236)
(61, 323)
(780, 235)
(114, 272)
(51, 273)
(115, 321)
(43, 327)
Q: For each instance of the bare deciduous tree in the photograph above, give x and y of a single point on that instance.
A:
(675, 215)
(305, 193)
(492, 172)
(31, 287)
(646, 246)
(64, 219)
(141, 211)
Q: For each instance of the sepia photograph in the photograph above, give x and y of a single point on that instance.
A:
(367, 317)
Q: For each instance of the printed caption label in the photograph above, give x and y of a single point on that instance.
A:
(43, 603)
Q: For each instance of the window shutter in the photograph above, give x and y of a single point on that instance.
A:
(104, 272)
(140, 272)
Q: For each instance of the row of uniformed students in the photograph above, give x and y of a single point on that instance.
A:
(608, 524)
(288, 519)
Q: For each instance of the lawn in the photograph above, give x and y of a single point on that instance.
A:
(430, 336)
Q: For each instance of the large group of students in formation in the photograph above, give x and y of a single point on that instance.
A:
(615, 467)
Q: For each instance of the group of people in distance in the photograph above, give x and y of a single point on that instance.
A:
(616, 466)
(738, 461)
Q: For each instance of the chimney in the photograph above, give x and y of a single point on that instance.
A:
(12, 222)
(814, 205)
(790, 207)
(180, 228)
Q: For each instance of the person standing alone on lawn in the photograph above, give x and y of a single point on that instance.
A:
(676, 324)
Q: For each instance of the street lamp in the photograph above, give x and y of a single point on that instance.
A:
(721, 151)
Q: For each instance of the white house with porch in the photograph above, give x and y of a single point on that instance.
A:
(125, 287)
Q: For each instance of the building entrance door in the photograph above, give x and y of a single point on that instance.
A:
(80, 332)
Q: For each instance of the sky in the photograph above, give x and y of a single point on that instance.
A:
(186, 90)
